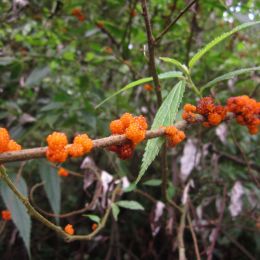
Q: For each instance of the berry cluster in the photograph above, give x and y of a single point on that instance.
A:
(6, 215)
(213, 114)
(77, 12)
(69, 229)
(134, 128)
(58, 148)
(247, 112)
(174, 135)
(7, 144)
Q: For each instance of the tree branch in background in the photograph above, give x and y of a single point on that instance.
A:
(169, 26)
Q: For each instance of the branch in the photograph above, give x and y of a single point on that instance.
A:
(169, 26)
(39, 152)
(181, 245)
(46, 222)
(150, 41)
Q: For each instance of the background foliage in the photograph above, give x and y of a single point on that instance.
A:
(54, 71)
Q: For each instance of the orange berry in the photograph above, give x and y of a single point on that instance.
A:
(6, 215)
(57, 155)
(85, 141)
(63, 172)
(189, 108)
(141, 121)
(126, 151)
(171, 130)
(76, 11)
(206, 124)
(133, 12)
(253, 130)
(4, 139)
(69, 229)
(113, 148)
(189, 117)
(148, 87)
(76, 150)
(81, 18)
(57, 140)
(126, 119)
(205, 106)
(135, 133)
(117, 127)
(94, 226)
(13, 146)
(214, 118)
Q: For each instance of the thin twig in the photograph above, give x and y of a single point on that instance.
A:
(181, 245)
(34, 213)
(68, 214)
(194, 238)
(169, 26)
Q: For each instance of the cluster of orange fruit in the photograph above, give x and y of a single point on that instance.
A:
(213, 114)
(174, 135)
(77, 12)
(246, 110)
(59, 149)
(6, 143)
(134, 128)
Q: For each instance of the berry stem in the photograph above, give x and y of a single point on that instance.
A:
(40, 152)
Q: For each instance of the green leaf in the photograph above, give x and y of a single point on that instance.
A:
(228, 76)
(51, 185)
(183, 68)
(37, 75)
(129, 204)
(115, 211)
(19, 213)
(164, 117)
(166, 75)
(94, 218)
(153, 182)
(217, 40)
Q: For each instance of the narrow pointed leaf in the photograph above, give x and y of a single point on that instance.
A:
(183, 68)
(217, 40)
(19, 213)
(228, 76)
(166, 75)
(164, 117)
